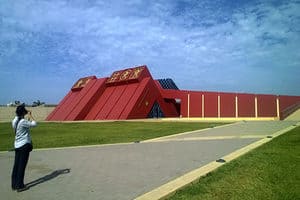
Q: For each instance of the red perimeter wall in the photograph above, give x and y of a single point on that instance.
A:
(287, 101)
(195, 104)
(246, 105)
(192, 106)
(266, 105)
(227, 104)
(210, 104)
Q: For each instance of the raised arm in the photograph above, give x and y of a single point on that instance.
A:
(31, 120)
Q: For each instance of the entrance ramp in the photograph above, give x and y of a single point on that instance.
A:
(295, 116)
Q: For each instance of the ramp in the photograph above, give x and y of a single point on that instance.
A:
(295, 116)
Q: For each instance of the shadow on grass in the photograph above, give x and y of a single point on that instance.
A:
(48, 177)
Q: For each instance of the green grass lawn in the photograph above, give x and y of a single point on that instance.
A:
(270, 172)
(48, 134)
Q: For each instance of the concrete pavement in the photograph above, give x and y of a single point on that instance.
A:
(127, 171)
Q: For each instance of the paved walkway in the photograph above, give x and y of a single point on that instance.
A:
(126, 171)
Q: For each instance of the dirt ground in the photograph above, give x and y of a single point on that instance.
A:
(39, 113)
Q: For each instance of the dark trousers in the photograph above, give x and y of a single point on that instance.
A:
(21, 159)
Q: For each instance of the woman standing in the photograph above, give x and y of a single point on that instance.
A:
(23, 146)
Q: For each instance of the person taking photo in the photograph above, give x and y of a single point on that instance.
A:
(23, 146)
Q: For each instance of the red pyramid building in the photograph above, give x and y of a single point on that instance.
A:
(127, 94)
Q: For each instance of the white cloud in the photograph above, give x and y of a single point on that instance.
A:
(205, 41)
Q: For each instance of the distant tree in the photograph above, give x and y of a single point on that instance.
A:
(37, 103)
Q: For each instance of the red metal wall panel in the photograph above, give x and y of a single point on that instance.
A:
(126, 114)
(169, 107)
(88, 100)
(287, 101)
(66, 106)
(111, 102)
(72, 99)
(172, 94)
(145, 102)
(266, 106)
(288, 105)
(227, 104)
(195, 104)
(210, 104)
(65, 109)
(147, 99)
(246, 105)
(96, 109)
(123, 101)
(184, 104)
(176, 94)
(73, 104)
(53, 114)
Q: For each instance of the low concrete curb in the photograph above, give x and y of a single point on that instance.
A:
(171, 187)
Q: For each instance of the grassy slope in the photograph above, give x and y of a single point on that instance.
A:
(74, 134)
(271, 171)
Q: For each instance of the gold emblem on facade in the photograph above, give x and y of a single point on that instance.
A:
(81, 83)
(125, 74)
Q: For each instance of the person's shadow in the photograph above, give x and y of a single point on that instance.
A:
(48, 177)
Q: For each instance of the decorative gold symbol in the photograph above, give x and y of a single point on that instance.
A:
(125, 74)
(114, 77)
(136, 73)
(81, 83)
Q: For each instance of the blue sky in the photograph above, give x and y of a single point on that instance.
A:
(221, 45)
